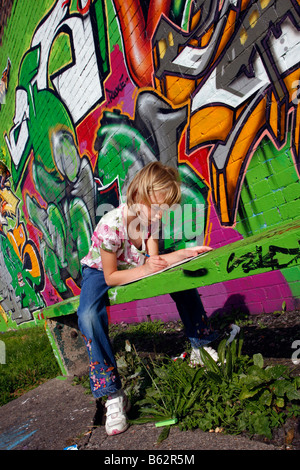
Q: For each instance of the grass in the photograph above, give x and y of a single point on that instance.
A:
(29, 361)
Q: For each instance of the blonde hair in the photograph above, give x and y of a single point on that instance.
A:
(154, 177)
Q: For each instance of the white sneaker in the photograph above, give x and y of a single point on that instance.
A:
(234, 330)
(195, 359)
(117, 405)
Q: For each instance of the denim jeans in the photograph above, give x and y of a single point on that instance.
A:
(93, 324)
(194, 318)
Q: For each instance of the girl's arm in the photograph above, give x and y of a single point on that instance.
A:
(184, 253)
(154, 264)
(175, 256)
(115, 277)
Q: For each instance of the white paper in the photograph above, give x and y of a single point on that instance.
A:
(168, 267)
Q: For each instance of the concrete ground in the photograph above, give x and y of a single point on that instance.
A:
(58, 414)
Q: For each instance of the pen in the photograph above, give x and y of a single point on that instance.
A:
(147, 256)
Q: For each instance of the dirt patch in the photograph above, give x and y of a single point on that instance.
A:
(276, 337)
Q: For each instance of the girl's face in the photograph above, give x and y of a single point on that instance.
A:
(149, 214)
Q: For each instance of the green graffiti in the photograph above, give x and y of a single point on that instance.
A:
(44, 135)
(120, 146)
(101, 35)
(271, 199)
(123, 150)
(58, 173)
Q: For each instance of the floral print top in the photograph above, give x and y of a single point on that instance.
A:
(111, 235)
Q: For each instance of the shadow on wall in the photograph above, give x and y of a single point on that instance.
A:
(234, 309)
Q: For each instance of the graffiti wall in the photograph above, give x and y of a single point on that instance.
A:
(92, 90)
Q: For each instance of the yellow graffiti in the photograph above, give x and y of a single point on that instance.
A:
(24, 249)
(9, 201)
(4, 82)
(3, 314)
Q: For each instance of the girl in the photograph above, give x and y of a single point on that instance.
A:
(124, 249)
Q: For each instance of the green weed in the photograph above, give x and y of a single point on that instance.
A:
(238, 394)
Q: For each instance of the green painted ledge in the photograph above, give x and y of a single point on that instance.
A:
(273, 249)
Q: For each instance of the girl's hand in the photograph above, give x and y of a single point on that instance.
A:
(154, 264)
(185, 253)
(194, 251)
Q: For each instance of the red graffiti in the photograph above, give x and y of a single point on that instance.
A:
(67, 2)
(85, 9)
(137, 35)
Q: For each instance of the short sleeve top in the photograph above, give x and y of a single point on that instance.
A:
(111, 235)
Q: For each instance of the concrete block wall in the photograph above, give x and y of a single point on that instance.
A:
(92, 90)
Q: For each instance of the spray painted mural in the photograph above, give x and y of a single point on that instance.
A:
(104, 87)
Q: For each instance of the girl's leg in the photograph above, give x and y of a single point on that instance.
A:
(194, 318)
(93, 324)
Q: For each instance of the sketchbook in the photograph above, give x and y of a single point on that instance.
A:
(168, 267)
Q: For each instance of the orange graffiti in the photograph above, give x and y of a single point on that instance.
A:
(241, 80)
(26, 251)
